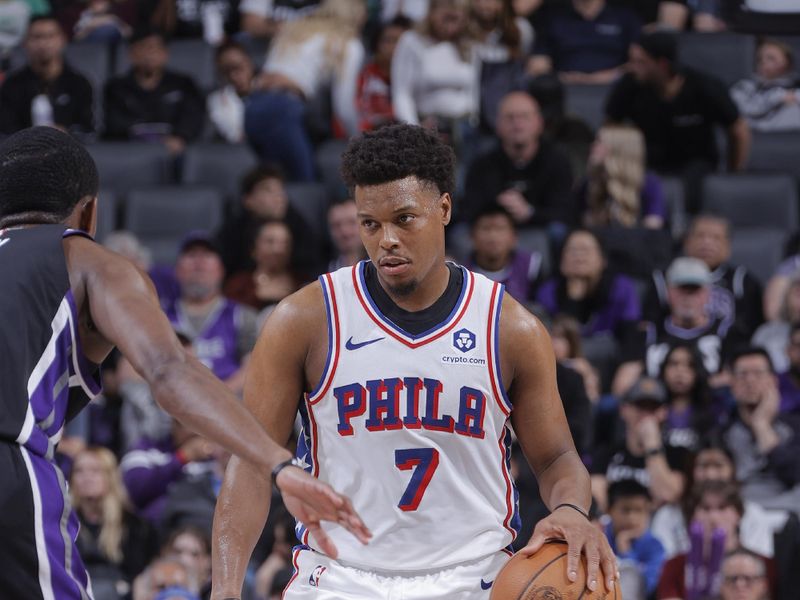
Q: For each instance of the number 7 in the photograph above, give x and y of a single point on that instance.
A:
(427, 459)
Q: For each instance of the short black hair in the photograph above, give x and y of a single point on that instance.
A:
(400, 21)
(43, 174)
(258, 174)
(398, 151)
(144, 32)
(492, 209)
(46, 17)
(230, 45)
(627, 488)
(742, 351)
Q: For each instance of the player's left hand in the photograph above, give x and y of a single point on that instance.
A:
(582, 537)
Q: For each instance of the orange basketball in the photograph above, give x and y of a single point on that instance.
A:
(543, 576)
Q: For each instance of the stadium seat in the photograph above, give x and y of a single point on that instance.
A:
(93, 61)
(775, 152)
(107, 214)
(311, 201)
(329, 160)
(161, 216)
(587, 102)
(760, 250)
(674, 194)
(194, 58)
(728, 56)
(753, 201)
(218, 165)
(126, 165)
(536, 240)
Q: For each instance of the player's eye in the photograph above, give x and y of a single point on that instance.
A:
(369, 224)
(405, 219)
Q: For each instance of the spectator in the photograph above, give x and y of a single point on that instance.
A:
(501, 35)
(264, 198)
(526, 175)
(47, 91)
(140, 415)
(210, 20)
(644, 455)
(154, 464)
(688, 282)
(226, 104)
(279, 561)
(98, 22)
(263, 19)
(735, 293)
(114, 543)
(714, 463)
(744, 576)
(14, 15)
(628, 530)
(434, 80)
(789, 379)
(619, 190)
(677, 108)
(223, 332)
(565, 334)
(693, 412)
(765, 444)
(191, 546)
(785, 273)
(273, 278)
(586, 41)
(151, 102)
(497, 256)
(584, 288)
(774, 336)
(307, 54)
(373, 92)
(770, 100)
(165, 576)
(715, 509)
(344, 229)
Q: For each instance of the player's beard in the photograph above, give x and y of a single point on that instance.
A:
(403, 290)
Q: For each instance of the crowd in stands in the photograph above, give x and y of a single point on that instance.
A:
(617, 169)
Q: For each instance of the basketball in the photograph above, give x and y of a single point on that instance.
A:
(543, 576)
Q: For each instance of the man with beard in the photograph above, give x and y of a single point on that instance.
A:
(223, 332)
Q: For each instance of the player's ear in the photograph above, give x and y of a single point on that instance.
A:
(446, 206)
(88, 215)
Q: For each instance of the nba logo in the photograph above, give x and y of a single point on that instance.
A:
(313, 580)
(464, 340)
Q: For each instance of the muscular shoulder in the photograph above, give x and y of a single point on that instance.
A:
(300, 317)
(524, 339)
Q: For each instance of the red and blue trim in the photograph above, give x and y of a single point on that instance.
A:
(493, 337)
(295, 569)
(410, 340)
(512, 522)
(332, 359)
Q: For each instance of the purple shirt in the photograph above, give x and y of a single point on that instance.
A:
(790, 393)
(519, 276)
(620, 304)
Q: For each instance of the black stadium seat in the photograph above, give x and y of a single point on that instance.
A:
(728, 56)
(218, 165)
(753, 201)
(126, 165)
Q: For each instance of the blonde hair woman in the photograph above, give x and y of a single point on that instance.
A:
(619, 191)
(115, 544)
(307, 54)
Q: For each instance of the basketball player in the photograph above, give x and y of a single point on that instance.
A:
(411, 369)
(65, 301)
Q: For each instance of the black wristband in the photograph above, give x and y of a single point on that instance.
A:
(653, 452)
(573, 507)
(292, 462)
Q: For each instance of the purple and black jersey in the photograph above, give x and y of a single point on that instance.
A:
(44, 381)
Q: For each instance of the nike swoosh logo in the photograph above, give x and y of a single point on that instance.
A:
(351, 345)
(486, 586)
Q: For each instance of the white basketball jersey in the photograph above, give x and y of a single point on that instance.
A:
(413, 428)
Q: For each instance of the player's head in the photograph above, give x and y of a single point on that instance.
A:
(629, 504)
(46, 176)
(402, 178)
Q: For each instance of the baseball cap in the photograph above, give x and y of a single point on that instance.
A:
(198, 238)
(647, 390)
(688, 271)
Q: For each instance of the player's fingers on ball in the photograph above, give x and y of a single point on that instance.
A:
(534, 544)
(574, 548)
(610, 573)
(593, 565)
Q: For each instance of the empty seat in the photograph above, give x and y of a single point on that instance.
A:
(107, 214)
(93, 61)
(329, 161)
(218, 165)
(775, 152)
(194, 58)
(753, 201)
(533, 241)
(311, 201)
(587, 102)
(760, 250)
(728, 56)
(160, 217)
(674, 196)
(126, 165)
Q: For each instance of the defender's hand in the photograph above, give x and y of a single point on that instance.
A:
(312, 501)
(582, 537)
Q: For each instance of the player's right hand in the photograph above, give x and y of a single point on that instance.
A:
(311, 501)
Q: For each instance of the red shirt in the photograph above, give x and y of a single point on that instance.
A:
(373, 98)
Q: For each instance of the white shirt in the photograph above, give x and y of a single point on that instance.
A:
(226, 111)
(309, 67)
(431, 78)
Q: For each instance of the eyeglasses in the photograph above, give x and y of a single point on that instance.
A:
(747, 580)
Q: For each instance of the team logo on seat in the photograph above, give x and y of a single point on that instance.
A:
(313, 580)
(464, 340)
